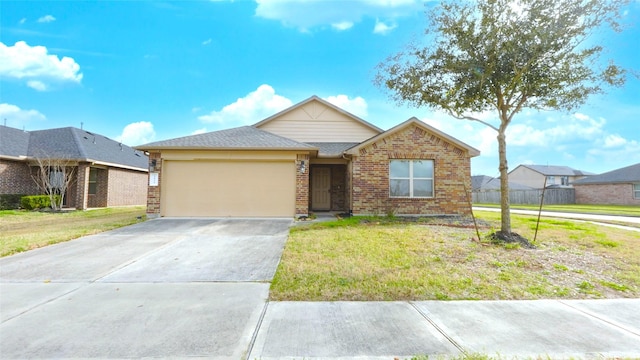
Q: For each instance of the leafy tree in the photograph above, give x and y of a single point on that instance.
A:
(504, 56)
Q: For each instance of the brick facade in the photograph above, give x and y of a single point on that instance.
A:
(370, 175)
(302, 186)
(153, 192)
(15, 178)
(127, 187)
(605, 194)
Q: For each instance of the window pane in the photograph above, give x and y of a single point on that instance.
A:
(399, 168)
(93, 174)
(399, 187)
(423, 169)
(93, 188)
(423, 188)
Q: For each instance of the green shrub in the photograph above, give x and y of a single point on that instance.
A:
(10, 201)
(35, 202)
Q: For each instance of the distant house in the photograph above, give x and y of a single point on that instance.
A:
(108, 173)
(557, 176)
(617, 187)
(488, 183)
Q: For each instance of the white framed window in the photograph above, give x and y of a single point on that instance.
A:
(411, 178)
(636, 191)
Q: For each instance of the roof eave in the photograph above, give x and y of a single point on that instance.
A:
(209, 148)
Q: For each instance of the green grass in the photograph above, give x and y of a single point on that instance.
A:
(620, 210)
(25, 230)
(386, 259)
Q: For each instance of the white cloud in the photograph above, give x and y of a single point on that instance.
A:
(17, 117)
(37, 85)
(199, 131)
(356, 106)
(614, 141)
(570, 128)
(46, 19)
(34, 64)
(341, 26)
(207, 42)
(382, 28)
(22, 21)
(308, 14)
(137, 133)
(250, 109)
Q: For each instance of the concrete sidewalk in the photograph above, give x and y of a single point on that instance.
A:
(505, 329)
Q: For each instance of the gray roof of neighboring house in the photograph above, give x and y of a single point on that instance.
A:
(245, 137)
(629, 174)
(332, 149)
(484, 182)
(69, 143)
(554, 170)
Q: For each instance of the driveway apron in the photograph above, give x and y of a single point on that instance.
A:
(169, 288)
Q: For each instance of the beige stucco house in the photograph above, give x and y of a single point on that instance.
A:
(310, 157)
(534, 175)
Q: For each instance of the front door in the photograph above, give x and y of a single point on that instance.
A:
(320, 188)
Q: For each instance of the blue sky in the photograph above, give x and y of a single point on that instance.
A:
(140, 71)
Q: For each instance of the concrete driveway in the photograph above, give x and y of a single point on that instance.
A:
(167, 288)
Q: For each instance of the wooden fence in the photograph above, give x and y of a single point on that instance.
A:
(531, 197)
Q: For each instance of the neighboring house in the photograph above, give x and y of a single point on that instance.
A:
(557, 176)
(108, 173)
(312, 156)
(480, 183)
(617, 187)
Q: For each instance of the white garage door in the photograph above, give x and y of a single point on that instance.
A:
(226, 188)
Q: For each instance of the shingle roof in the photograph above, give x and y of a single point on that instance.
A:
(332, 149)
(553, 170)
(484, 182)
(13, 142)
(629, 174)
(245, 137)
(69, 143)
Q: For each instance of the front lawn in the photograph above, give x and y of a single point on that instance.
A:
(392, 260)
(24, 230)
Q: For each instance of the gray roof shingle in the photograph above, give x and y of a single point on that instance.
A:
(554, 170)
(244, 137)
(484, 182)
(333, 149)
(69, 143)
(13, 142)
(629, 174)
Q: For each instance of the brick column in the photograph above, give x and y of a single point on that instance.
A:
(153, 192)
(82, 186)
(302, 186)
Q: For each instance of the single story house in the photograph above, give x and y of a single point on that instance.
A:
(616, 187)
(557, 176)
(310, 157)
(483, 183)
(107, 173)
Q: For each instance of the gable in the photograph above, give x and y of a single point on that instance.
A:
(315, 120)
(426, 142)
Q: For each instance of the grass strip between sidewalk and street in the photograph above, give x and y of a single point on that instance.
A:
(22, 230)
(388, 259)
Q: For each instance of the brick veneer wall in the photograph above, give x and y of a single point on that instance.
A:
(82, 187)
(153, 192)
(302, 186)
(605, 194)
(15, 178)
(127, 187)
(370, 175)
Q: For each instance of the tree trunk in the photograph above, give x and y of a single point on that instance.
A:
(505, 213)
